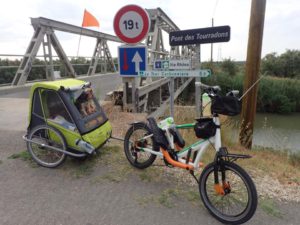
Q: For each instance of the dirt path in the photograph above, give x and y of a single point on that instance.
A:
(101, 190)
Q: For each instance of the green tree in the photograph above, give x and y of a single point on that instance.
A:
(270, 65)
(285, 65)
(78, 65)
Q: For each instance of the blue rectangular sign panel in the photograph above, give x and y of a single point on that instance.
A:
(132, 59)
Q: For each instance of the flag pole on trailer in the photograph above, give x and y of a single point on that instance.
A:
(88, 21)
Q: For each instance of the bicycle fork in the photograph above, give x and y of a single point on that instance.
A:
(222, 188)
(222, 155)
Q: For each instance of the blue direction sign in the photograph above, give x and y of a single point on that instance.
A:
(132, 59)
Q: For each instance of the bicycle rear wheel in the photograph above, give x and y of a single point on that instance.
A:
(237, 203)
(137, 138)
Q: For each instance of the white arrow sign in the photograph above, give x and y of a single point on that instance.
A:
(137, 59)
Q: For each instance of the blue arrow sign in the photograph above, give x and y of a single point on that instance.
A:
(132, 59)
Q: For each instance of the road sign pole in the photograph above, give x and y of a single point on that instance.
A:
(133, 90)
(171, 89)
(197, 83)
(131, 25)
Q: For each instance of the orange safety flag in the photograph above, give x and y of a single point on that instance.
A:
(89, 20)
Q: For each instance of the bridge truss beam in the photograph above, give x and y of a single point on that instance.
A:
(44, 34)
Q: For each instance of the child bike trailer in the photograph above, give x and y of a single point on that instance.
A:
(65, 119)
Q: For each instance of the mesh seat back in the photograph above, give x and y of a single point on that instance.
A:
(158, 134)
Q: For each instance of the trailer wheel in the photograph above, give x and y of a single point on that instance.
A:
(42, 141)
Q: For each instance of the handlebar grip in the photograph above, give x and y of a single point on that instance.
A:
(233, 93)
(209, 88)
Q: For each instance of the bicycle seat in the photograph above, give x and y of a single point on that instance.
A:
(158, 134)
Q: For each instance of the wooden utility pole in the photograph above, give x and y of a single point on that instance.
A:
(255, 38)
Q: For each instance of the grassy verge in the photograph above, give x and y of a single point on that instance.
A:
(109, 156)
(25, 156)
(170, 196)
(118, 169)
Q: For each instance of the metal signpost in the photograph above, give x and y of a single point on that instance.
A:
(199, 36)
(198, 95)
(131, 25)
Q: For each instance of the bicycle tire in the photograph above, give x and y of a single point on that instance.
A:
(210, 203)
(132, 153)
(58, 141)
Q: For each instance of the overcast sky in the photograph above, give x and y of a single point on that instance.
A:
(282, 23)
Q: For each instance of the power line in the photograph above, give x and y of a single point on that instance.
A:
(214, 11)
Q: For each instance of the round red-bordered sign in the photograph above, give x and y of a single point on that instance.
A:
(131, 24)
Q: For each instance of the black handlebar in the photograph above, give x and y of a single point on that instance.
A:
(209, 89)
(214, 90)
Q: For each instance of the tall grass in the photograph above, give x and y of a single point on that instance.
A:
(275, 95)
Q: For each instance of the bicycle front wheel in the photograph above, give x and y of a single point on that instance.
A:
(137, 138)
(237, 201)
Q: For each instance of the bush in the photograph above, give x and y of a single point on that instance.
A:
(284, 65)
(229, 66)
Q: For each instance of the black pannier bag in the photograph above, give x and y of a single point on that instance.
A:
(226, 105)
(205, 128)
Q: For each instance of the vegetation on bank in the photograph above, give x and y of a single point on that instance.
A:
(278, 90)
(275, 95)
(284, 65)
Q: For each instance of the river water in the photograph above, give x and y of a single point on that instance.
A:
(279, 132)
